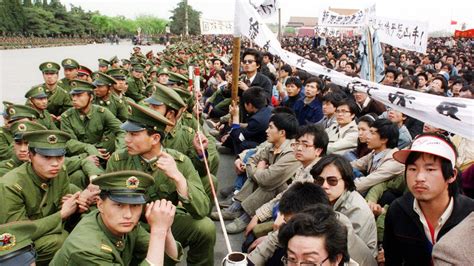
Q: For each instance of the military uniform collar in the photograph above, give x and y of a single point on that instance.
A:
(152, 163)
(43, 184)
(118, 242)
(89, 114)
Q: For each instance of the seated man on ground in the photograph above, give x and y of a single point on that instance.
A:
(268, 172)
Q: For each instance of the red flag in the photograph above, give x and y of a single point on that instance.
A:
(454, 22)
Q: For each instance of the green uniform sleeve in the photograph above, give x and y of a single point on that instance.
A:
(113, 126)
(13, 209)
(74, 146)
(198, 202)
(6, 147)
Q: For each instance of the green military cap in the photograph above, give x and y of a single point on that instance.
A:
(184, 94)
(167, 63)
(134, 60)
(70, 63)
(18, 128)
(125, 61)
(103, 62)
(17, 111)
(47, 142)
(176, 77)
(101, 79)
(163, 71)
(118, 73)
(138, 67)
(149, 62)
(36, 92)
(127, 187)
(167, 96)
(153, 69)
(80, 86)
(49, 67)
(16, 245)
(84, 71)
(114, 60)
(142, 117)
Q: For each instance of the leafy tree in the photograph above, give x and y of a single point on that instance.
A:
(177, 23)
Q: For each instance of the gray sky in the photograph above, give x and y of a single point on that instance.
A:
(437, 12)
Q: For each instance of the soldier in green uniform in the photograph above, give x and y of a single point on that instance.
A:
(121, 85)
(126, 64)
(103, 65)
(38, 100)
(93, 129)
(104, 96)
(184, 139)
(175, 180)
(71, 68)
(12, 113)
(84, 73)
(20, 146)
(34, 191)
(58, 99)
(163, 76)
(112, 235)
(136, 85)
(16, 246)
(114, 62)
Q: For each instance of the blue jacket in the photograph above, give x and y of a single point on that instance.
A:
(308, 114)
(257, 124)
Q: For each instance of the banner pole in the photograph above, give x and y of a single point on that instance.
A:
(235, 69)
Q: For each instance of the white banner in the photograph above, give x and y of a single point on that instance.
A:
(266, 8)
(213, 26)
(328, 31)
(452, 114)
(329, 18)
(408, 35)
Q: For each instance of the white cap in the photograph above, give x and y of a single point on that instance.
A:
(428, 144)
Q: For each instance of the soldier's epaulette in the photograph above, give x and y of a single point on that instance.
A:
(106, 248)
(119, 156)
(190, 130)
(10, 165)
(178, 156)
(60, 81)
(18, 187)
(188, 115)
(64, 167)
(101, 109)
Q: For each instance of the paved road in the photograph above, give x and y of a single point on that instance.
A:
(19, 71)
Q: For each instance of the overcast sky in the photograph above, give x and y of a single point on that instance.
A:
(438, 13)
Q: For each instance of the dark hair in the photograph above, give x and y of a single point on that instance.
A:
(221, 73)
(387, 130)
(293, 80)
(300, 196)
(255, 96)
(283, 109)
(446, 166)
(444, 83)
(342, 165)
(286, 122)
(286, 68)
(317, 80)
(333, 97)
(321, 138)
(353, 108)
(318, 221)
(256, 54)
(269, 55)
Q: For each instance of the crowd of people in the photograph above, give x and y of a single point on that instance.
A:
(116, 166)
(22, 42)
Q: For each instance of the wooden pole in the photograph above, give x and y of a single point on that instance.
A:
(235, 69)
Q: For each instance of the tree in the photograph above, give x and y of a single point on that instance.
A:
(12, 17)
(177, 20)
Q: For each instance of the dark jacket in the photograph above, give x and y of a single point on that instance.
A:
(308, 113)
(290, 101)
(263, 81)
(405, 242)
(373, 107)
(254, 133)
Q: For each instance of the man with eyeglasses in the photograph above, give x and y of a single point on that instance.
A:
(251, 62)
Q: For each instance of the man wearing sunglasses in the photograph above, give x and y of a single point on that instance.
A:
(251, 62)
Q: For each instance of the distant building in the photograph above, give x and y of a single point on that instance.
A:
(303, 26)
